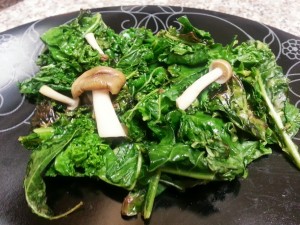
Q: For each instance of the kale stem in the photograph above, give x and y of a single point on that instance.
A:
(290, 148)
(150, 196)
(185, 173)
(138, 171)
(132, 74)
(68, 212)
(159, 107)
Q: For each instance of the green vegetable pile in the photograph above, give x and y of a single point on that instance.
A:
(226, 128)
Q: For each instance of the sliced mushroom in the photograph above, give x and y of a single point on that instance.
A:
(51, 93)
(102, 81)
(220, 72)
(93, 42)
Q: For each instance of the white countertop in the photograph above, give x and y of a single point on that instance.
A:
(281, 14)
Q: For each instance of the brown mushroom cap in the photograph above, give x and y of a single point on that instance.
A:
(225, 67)
(99, 78)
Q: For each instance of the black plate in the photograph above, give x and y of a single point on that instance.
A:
(270, 195)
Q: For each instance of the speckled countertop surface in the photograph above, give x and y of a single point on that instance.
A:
(282, 14)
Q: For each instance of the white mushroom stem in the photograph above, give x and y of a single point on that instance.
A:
(92, 41)
(49, 92)
(192, 92)
(220, 71)
(108, 123)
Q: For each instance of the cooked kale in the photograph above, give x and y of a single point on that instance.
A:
(216, 138)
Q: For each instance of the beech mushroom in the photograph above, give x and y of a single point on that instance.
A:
(49, 92)
(102, 81)
(92, 41)
(220, 71)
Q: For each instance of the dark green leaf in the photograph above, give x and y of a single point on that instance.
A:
(35, 189)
